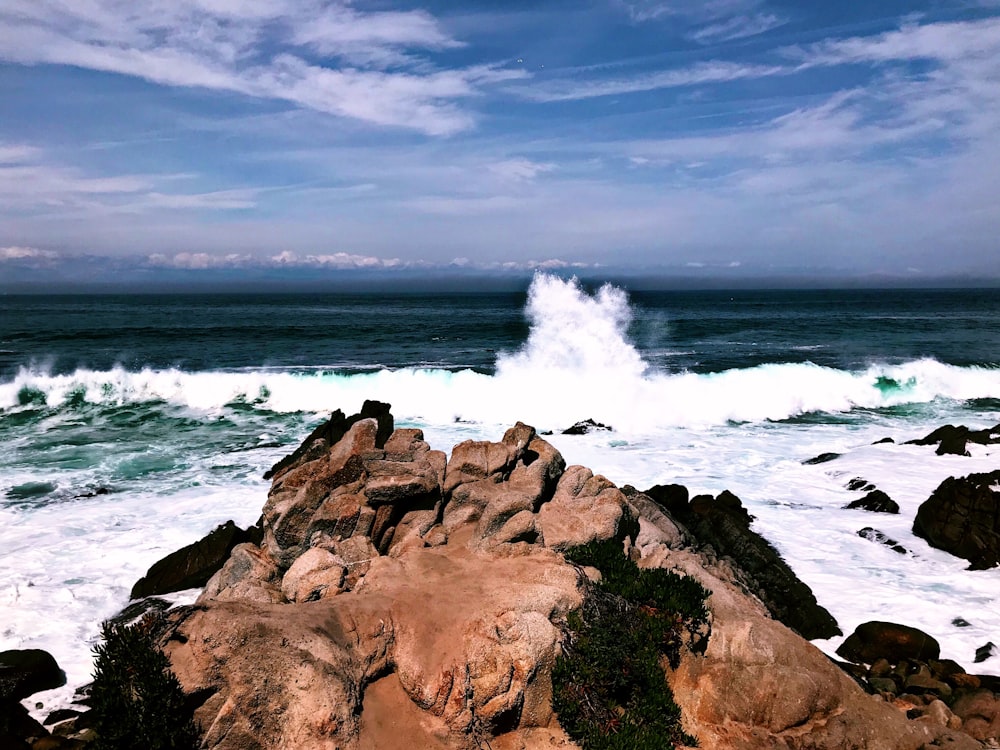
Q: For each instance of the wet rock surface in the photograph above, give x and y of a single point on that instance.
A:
(962, 517)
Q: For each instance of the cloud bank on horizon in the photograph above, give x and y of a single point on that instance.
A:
(646, 135)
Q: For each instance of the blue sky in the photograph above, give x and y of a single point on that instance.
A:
(730, 136)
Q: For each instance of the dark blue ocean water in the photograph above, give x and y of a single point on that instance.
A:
(699, 331)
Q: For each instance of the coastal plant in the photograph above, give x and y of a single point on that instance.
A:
(136, 700)
(609, 688)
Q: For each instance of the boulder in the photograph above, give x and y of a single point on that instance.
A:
(875, 501)
(26, 672)
(330, 432)
(984, 652)
(191, 566)
(586, 426)
(962, 517)
(585, 508)
(723, 524)
(875, 640)
(980, 714)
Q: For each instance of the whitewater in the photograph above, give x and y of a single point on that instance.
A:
(104, 470)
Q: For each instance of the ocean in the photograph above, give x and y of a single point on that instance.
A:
(132, 425)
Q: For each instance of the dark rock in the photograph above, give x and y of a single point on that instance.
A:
(860, 485)
(874, 535)
(875, 640)
(962, 517)
(883, 685)
(881, 668)
(17, 728)
(953, 445)
(26, 672)
(330, 432)
(922, 684)
(724, 524)
(960, 622)
(587, 425)
(985, 652)
(822, 458)
(875, 501)
(191, 567)
(136, 610)
(673, 498)
(951, 434)
(884, 440)
(60, 714)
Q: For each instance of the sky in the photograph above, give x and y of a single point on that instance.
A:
(146, 139)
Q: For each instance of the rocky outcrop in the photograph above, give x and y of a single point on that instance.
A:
(875, 501)
(962, 517)
(953, 440)
(874, 535)
(722, 525)
(192, 566)
(397, 595)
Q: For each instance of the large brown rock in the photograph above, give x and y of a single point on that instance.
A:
(962, 517)
(585, 508)
(470, 638)
(330, 432)
(760, 686)
(876, 640)
(980, 714)
(191, 566)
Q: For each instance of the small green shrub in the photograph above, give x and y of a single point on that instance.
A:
(609, 689)
(136, 701)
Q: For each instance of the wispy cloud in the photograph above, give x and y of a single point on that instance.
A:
(520, 169)
(281, 51)
(712, 21)
(737, 27)
(698, 74)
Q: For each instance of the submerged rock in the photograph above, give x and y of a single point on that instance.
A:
(874, 535)
(822, 458)
(586, 426)
(962, 517)
(875, 501)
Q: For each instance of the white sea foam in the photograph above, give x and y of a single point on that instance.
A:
(68, 565)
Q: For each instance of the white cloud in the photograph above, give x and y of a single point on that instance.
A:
(699, 74)
(198, 261)
(738, 27)
(15, 252)
(340, 260)
(520, 169)
(261, 50)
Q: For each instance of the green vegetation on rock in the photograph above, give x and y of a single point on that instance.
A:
(136, 700)
(610, 691)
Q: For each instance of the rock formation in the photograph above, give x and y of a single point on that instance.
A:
(399, 597)
(962, 517)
